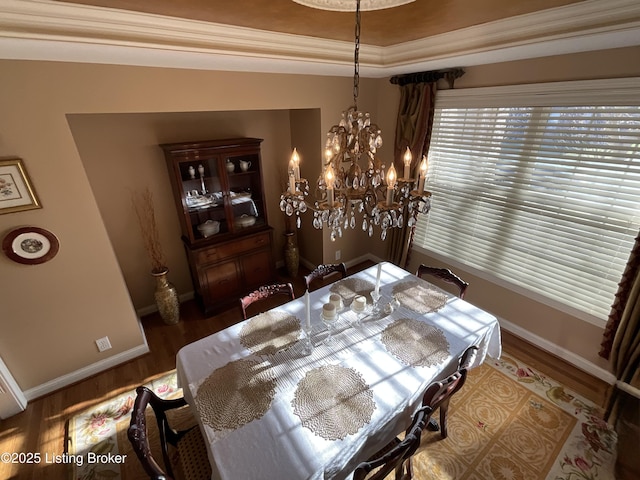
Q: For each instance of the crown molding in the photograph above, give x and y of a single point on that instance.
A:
(56, 31)
(568, 29)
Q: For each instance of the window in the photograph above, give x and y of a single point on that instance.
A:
(538, 187)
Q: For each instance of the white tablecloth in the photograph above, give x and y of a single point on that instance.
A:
(277, 446)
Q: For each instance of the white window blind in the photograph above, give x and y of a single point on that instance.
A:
(538, 186)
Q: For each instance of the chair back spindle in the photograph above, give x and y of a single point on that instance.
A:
(322, 271)
(445, 275)
(265, 292)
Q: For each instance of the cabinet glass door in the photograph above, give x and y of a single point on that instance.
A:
(203, 198)
(245, 191)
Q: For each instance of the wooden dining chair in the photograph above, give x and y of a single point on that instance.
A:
(189, 458)
(438, 394)
(397, 454)
(445, 275)
(322, 271)
(264, 292)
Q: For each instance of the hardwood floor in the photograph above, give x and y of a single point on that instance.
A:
(590, 387)
(41, 427)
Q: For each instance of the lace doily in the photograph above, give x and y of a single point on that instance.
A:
(415, 343)
(349, 288)
(333, 401)
(419, 298)
(236, 394)
(270, 332)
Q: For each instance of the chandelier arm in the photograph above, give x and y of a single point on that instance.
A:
(370, 198)
(320, 192)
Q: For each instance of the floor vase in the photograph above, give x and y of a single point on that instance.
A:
(166, 297)
(291, 254)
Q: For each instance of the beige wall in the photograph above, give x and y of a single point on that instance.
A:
(616, 63)
(307, 138)
(88, 135)
(560, 332)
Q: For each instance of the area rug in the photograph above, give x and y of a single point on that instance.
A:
(509, 422)
(96, 439)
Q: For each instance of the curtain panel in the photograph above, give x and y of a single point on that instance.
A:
(621, 339)
(413, 130)
(623, 301)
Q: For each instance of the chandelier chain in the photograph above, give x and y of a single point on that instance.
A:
(356, 60)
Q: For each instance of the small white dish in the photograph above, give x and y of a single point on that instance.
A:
(359, 304)
(209, 228)
(245, 221)
(337, 301)
(329, 312)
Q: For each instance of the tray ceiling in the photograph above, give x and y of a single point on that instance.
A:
(418, 19)
(286, 37)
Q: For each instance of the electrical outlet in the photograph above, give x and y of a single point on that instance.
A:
(103, 344)
(338, 254)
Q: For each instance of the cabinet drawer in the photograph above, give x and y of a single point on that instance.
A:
(220, 252)
(222, 280)
(250, 243)
(208, 255)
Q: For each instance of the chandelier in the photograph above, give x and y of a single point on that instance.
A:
(355, 188)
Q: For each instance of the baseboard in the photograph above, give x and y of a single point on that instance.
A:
(566, 355)
(86, 372)
(363, 258)
(149, 309)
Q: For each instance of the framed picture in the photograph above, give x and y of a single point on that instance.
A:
(16, 192)
(30, 245)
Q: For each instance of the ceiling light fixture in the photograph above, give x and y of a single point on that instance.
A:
(353, 189)
(347, 5)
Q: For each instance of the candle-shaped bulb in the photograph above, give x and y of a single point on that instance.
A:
(295, 164)
(295, 158)
(391, 182)
(391, 176)
(407, 156)
(329, 177)
(407, 163)
(423, 166)
(423, 174)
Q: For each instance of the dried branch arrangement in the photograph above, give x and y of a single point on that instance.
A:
(143, 206)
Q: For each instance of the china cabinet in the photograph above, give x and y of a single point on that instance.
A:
(218, 192)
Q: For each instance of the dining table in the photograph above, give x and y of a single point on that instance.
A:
(291, 394)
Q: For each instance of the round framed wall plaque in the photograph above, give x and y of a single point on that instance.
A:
(30, 245)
